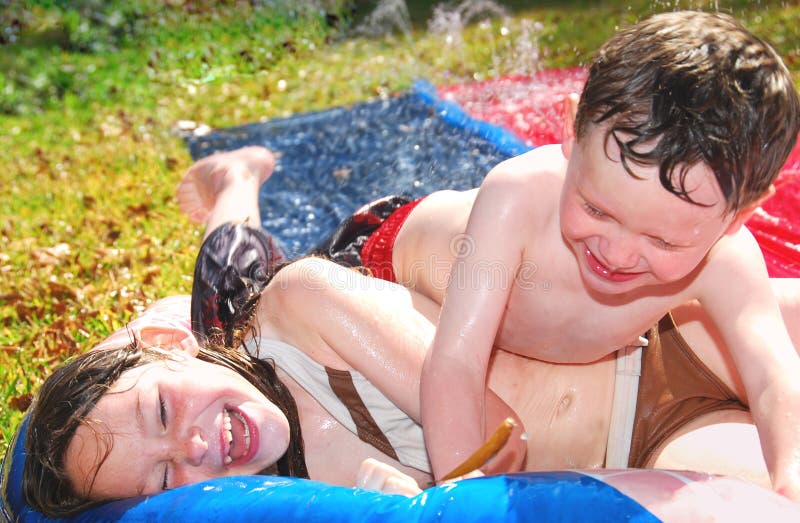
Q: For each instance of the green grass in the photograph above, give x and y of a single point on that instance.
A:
(90, 93)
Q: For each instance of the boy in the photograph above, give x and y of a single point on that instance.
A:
(684, 122)
(569, 253)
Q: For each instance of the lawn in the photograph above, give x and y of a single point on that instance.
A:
(91, 93)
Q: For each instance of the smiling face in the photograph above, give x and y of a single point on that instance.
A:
(171, 423)
(627, 233)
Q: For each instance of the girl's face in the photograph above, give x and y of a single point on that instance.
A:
(170, 423)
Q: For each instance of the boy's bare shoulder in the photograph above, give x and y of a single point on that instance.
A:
(734, 249)
(735, 257)
(528, 186)
(536, 170)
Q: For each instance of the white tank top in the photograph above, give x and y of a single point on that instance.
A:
(355, 402)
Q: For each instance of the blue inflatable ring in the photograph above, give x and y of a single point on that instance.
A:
(544, 497)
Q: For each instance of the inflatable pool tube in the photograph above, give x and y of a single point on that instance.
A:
(537, 497)
(550, 497)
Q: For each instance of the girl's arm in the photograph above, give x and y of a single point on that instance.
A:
(344, 319)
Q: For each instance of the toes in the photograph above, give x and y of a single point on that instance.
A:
(190, 203)
(198, 216)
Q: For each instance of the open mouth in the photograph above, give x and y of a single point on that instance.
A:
(606, 273)
(239, 437)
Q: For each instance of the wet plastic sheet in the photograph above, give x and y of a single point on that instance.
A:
(529, 106)
(332, 162)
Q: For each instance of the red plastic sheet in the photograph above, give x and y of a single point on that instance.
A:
(531, 107)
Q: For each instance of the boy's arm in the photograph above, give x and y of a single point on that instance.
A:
(751, 325)
(454, 374)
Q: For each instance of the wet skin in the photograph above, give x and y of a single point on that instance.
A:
(171, 423)
(628, 232)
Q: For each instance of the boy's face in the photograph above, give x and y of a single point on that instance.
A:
(627, 233)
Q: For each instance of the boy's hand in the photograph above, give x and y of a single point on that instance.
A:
(786, 479)
(468, 475)
(376, 475)
(776, 413)
(792, 492)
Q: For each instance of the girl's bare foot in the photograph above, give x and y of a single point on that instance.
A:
(198, 190)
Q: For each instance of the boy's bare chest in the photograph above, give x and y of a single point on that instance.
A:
(557, 323)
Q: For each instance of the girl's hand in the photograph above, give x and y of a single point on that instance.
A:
(376, 475)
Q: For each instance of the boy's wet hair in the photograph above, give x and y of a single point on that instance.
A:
(687, 87)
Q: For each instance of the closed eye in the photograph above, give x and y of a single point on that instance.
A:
(163, 414)
(163, 408)
(663, 244)
(592, 210)
(165, 482)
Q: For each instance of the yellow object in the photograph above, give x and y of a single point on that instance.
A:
(485, 452)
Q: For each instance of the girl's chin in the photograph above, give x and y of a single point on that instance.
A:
(272, 438)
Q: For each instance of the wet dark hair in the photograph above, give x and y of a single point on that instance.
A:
(234, 264)
(65, 400)
(686, 87)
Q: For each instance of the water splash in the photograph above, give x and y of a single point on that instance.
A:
(388, 17)
(514, 92)
(450, 22)
(523, 55)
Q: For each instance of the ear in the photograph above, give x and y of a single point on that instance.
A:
(744, 214)
(569, 107)
(170, 338)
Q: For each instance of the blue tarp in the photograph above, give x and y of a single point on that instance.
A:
(332, 162)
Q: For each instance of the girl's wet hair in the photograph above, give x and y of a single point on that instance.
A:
(234, 265)
(68, 396)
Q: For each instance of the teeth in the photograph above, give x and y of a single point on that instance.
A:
(226, 424)
(246, 429)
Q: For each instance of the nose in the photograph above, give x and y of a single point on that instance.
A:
(619, 251)
(191, 449)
